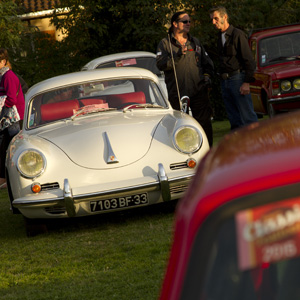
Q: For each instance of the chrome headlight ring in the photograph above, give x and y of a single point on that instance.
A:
(296, 84)
(286, 85)
(187, 139)
(31, 163)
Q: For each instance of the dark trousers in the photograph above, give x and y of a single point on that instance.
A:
(6, 136)
(201, 110)
(239, 107)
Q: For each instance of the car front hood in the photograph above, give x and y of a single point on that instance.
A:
(106, 141)
(285, 70)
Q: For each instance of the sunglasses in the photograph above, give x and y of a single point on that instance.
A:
(185, 21)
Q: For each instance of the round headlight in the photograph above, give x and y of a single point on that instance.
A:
(286, 85)
(31, 163)
(187, 139)
(296, 84)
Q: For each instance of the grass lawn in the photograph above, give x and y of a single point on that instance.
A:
(112, 256)
(119, 256)
(220, 128)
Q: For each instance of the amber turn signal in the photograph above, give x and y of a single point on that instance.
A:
(36, 187)
(191, 163)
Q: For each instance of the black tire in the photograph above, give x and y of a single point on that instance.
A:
(271, 111)
(35, 227)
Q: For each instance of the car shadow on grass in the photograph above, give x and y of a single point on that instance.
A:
(43, 226)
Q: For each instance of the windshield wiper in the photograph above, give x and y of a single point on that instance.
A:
(147, 105)
(284, 58)
(88, 110)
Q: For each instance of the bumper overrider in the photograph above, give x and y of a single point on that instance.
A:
(168, 189)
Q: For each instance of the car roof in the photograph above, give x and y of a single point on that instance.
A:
(261, 156)
(90, 75)
(116, 56)
(262, 33)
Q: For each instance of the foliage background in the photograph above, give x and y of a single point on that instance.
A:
(101, 27)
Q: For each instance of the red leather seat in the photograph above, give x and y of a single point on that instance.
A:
(121, 99)
(90, 101)
(59, 110)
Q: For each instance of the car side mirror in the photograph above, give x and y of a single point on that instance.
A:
(185, 104)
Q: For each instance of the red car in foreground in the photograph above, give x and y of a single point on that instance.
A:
(237, 229)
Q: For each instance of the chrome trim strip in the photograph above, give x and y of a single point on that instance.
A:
(111, 159)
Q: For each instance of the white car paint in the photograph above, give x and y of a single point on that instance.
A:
(127, 59)
(94, 159)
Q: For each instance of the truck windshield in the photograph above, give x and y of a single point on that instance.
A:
(279, 48)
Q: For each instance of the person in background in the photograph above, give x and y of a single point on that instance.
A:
(236, 69)
(24, 84)
(193, 69)
(11, 87)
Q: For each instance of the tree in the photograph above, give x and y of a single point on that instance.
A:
(10, 25)
(97, 28)
(100, 27)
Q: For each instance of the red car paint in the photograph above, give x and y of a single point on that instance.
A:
(277, 55)
(258, 159)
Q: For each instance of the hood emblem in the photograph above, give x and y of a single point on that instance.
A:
(111, 157)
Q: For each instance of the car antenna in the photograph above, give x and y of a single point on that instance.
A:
(173, 63)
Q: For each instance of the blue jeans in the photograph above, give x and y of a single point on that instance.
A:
(239, 107)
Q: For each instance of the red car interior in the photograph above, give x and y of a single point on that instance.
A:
(91, 101)
(59, 110)
(121, 99)
(64, 109)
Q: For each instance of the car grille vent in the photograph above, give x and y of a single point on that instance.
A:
(176, 166)
(50, 186)
(56, 210)
(179, 189)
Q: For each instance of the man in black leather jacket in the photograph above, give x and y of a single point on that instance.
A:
(236, 69)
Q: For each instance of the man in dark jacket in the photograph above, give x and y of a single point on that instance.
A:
(236, 69)
(193, 69)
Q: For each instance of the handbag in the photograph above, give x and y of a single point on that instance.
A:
(8, 115)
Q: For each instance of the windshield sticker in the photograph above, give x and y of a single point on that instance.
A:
(125, 62)
(268, 233)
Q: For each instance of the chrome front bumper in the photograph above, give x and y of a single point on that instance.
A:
(289, 99)
(168, 190)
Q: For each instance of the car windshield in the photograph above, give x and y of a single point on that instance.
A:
(279, 48)
(97, 96)
(148, 63)
(256, 255)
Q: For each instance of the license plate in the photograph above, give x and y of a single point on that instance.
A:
(119, 202)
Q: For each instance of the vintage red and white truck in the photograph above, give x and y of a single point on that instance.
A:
(277, 76)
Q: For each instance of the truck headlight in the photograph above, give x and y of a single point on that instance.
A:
(296, 84)
(286, 85)
(187, 139)
(31, 163)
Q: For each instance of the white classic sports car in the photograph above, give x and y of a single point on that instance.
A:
(140, 59)
(99, 141)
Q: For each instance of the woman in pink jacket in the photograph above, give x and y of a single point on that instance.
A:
(11, 87)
